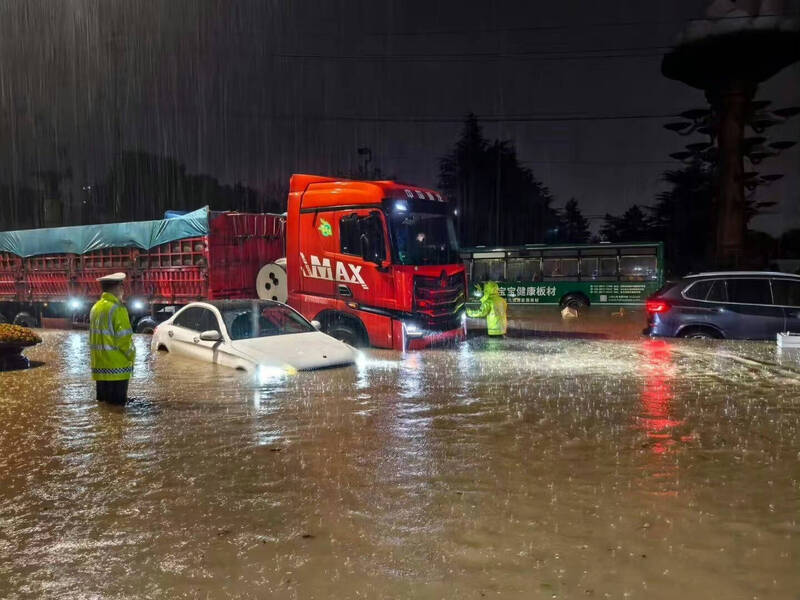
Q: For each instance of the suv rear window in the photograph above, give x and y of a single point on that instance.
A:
(749, 291)
(699, 290)
(787, 293)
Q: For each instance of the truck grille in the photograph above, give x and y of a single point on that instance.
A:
(439, 301)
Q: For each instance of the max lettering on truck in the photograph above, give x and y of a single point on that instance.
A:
(321, 269)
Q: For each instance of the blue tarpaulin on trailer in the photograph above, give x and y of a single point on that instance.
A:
(87, 238)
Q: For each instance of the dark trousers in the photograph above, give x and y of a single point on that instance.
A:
(113, 392)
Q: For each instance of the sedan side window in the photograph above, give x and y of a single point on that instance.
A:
(749, 291)
(787, 293)
(190, 318)
(208, 321)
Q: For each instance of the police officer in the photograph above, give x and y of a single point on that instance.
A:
(111, 341)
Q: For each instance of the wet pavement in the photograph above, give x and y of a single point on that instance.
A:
(531, 467)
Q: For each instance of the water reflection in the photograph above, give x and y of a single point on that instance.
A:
(440, 473)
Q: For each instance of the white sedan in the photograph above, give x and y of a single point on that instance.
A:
(260, 336)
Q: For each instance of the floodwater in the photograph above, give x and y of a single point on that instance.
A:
(519, 468)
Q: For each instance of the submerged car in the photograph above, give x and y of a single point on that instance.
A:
(746, 305)
(250, 335)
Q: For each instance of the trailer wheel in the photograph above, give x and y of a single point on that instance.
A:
(574, 300)
(146, 325)
(24, 319)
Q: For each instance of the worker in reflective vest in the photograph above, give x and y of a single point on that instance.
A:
(494, 308)
(111, 341)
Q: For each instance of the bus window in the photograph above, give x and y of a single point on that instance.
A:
(637, 268)
(608, 267)
(557, 268)
(488, 269)
(590, 267)
(523, 269)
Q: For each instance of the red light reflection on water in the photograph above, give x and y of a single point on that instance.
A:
(657, 396)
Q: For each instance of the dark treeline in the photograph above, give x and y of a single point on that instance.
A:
(683, 217)
(497, 199)
(138, 186)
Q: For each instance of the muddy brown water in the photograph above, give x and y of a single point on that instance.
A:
(532, 467)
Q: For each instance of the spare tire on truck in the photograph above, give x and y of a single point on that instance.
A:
(25, 319)
(271, 282)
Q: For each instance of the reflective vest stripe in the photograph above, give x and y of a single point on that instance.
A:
(111, 333)
(120, 371)
(111, 317)
(103, 347)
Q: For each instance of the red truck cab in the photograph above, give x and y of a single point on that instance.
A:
(375, 262)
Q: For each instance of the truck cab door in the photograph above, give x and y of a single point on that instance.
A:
(317, 249)
(363, 270)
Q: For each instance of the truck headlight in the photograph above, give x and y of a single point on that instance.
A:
(137, 305)
(412, 330)
(75, 304)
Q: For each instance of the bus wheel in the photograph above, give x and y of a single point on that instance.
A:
(146, 325)
(24, 319)
(576, 301)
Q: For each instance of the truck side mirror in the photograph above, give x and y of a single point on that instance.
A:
(365, 248)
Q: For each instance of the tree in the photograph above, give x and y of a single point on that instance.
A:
(789, 244)
(684, 217)
(141, 186)
(498, 200)
(632, 226)
(573, 227)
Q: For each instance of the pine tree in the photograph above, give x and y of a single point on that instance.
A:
(574, 227)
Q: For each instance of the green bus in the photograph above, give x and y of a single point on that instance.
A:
(576, 275)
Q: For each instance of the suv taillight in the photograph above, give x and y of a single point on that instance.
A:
(657, 306)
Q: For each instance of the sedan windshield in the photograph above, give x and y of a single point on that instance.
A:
(262, 319)
(423, 238)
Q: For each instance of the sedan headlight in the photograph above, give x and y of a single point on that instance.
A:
(268, 373)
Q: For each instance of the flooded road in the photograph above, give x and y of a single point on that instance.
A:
(520, 468)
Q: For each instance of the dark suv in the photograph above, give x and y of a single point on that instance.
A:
(746, 305)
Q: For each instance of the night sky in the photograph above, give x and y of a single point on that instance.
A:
(255, 91)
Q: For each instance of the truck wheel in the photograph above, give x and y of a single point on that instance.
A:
(576, 301)
(347, 333)
(3, 319)
(24, 319)
(146, 325)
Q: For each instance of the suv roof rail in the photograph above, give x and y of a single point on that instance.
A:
(736, 273)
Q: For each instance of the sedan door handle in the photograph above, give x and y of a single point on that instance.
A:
(344, 291)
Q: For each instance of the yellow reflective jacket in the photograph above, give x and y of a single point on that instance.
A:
(494, 308)
(111, 340)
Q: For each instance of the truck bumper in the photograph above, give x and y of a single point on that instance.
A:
(425, 339)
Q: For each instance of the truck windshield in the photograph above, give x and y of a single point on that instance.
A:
(423, 238)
